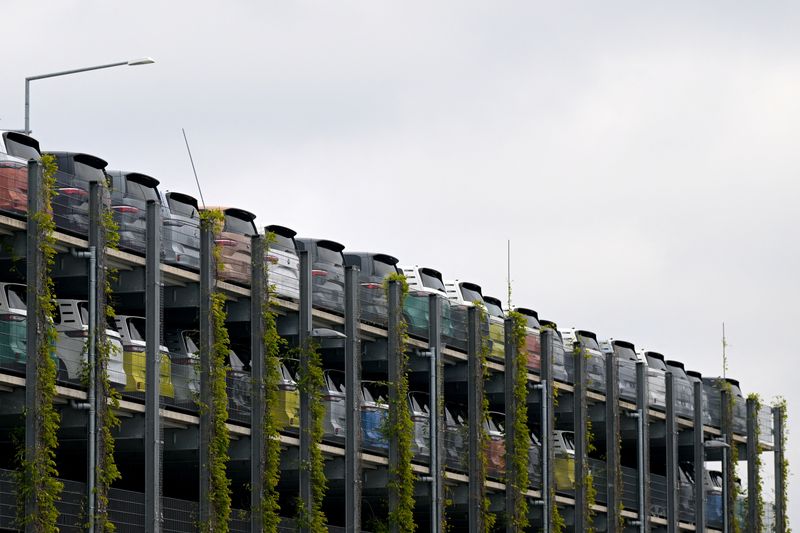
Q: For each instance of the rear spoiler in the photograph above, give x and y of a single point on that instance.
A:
(283, 231)
(21, 138)
(183, 198)
(141, 179)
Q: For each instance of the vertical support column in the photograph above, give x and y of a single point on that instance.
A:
(152, 414)
(304, 336)
(258, 299)
(437, 413)
(548, 455)
(727, 462)
(511, 412)
(96, 301)
(672, 456)
(395, 370)
(699, 459)
(352, 384)
(643, 446)
(35, 329)
(612, 444)
(780, 480)
(752, 471)
(474, 420)
(579, 413)
(207, 271)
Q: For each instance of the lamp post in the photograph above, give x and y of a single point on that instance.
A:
(131, 63)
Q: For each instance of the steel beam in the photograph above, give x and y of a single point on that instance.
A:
(352, 383)
(152, 416)
(98, 402)
(437, 412)
(207, 272)
(699, 459)
(512, 496)
(548, 424)
(304, 338)
(474, 418)
(671, 435)
(780, 477)
(752, 471)
(643, 446)
(395, 372)
(727, 462)
(36, 271)
(258, 299)
(579, 413)
(613, 495)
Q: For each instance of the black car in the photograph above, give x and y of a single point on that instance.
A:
(71, 203)
(327, 273)
(130, 192)
(373, 270)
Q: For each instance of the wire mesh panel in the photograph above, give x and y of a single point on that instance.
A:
(454, 325)
(13, 327)
(684, 395)
(456, 448)
(237, 384)
(686, 500)
(533, 350)
(599, 479)
(334, 423)
(656, 389)
(658, 495)
(563, 366)
(535, 465)
(180, 232)
(596, 370)
(375, 308)
(419, 405)
(630, 488)
(627, 379)
(766, 427)
(14, 188)
(416, 314)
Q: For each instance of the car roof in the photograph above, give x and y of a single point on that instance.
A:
(86, 159)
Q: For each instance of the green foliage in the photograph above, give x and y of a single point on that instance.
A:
(489, 519)
(270, 506)
(783, 497)
(400, 427)
(759, 503)
(518, 482)
(557, 522)
(587, 479)
(37, 477)
(312, 381)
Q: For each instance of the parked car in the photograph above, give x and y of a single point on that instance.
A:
(334, 424)
(327, 273)
(683, 389)
(71, 203)
(465, 294)
(713, 388)
(235, 245)
(626, 366)
(180, 230)
(130, 192)
(533, 343)
(534, 461)
(713, 490)
(13, 325)
(595, 360)
(71, 320)
(455, 437)
(497, 331)
(15, 151)
(373, 270)
(184, 355)
(286, 410)
(564, 464)
(374, 414)
(656, 380)
(239, 383)
(283, 264)
(563, 369)
(419, 405)
(496, 451)
(422, 282)
(132, 332)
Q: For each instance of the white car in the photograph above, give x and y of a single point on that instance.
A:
(13, 325)
(283, 262)
(72, 325)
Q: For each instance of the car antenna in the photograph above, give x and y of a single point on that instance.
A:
(193, 168)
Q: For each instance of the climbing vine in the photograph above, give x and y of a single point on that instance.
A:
(37, 476)
(783, 497)
(106, 470)
(759, 503)
(270, 505)
(557, 522)
(312, 381)
(487, 516)
(219, 439)
(733, 458)
(400, 427)
(587, 478)
(518, 478)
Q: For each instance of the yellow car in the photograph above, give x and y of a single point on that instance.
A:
(564, 465)
(497, 328)
(132, 329)
(286, 409)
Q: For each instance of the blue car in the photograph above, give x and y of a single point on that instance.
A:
(374, 414)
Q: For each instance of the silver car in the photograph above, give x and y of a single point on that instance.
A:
(333, 394)
(282, 262)
(419, 405)
(181, 230)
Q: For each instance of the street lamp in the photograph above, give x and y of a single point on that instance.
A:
(720, 444)
(131, 63)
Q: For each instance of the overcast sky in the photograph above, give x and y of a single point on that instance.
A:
(642, 159)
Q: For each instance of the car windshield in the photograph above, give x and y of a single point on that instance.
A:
(83, 309)
(16, 296)
(569, 440)
(192, 340)
(286, 375)
(334, 381)
(470, 295)
(625, 353)
(493, 309)
(374, 393)
(430, 281)
(136, 328)
(237, 225)
(183, 209)
(418, 404)
(716, 478)
(328, 256)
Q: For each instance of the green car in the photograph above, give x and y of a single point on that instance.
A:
(13, 325)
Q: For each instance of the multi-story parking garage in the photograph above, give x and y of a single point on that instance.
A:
(659, 447)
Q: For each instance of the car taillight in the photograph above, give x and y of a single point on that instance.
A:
(128, 209)
(319, 273)
(73, 191)
(273, 259)
(225, 242)
(12, 318)
(83, 334)
(372, 285)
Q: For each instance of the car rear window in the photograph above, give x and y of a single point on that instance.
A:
(590, 343)
(331, 257)
(183, 209)
(88, 173)
(655, 362)
(470, 295)
(17, 297)
(493, 309)
(140, 191)
(430, 281)
(83, 309)
(192, 340)
(282, 242)
(383, 269)
(625, 353)
(136, 328)
(238, 225)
